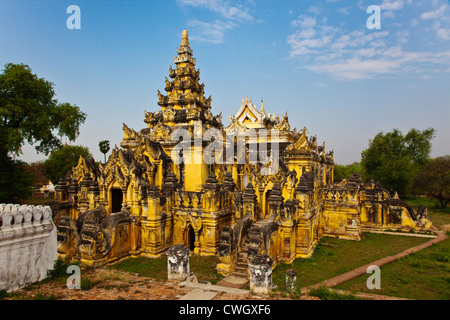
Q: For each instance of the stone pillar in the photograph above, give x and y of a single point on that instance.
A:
(226, 251)
(61, 190)
(125, 201)
(228, 182)
(249, 201)
(84, 196)
(168, 190)
(72, 193)
(261, 274)
(178, 262)
(275, 200)
(153, 203)
(153, 224)
(93, 194)
(211, 197)
(291, 281)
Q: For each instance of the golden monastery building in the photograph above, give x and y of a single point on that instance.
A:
(254, 187)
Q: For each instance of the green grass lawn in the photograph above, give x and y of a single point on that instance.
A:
(333, 257)
(424, 275)
(203, 267)
(155, 268)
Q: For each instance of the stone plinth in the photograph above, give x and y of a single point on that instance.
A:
(261, 274)
(291, 281)
(178, 263)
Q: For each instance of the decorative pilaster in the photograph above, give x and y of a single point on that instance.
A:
(93, 195)
(154, 224)
(249, 201)
(153, 202)
(210, 200)
(275, 200)
(61, 190)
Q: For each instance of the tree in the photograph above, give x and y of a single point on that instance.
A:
(16, 183)
(346, 171)
(434, 180)
(29, 112)
(104, 147)
(394, 159)
(61, 161)
(37, 170)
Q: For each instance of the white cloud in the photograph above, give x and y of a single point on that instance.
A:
(388, 14)
(212, 32)
(392, 5)
(304, 21)
(227, 11)
(442, 33)
(434, 14)
(315, 10)
(306, 39)
(230, 17)
(402, 36)
(388, 8)
(366, 52)
(355, 68)
(343, 10)
(361, 53)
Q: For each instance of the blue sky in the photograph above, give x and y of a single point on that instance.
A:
(316, 60)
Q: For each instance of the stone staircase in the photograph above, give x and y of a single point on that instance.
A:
(241, 265)
(251, 240)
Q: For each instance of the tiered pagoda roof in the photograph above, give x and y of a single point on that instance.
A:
(185, 100)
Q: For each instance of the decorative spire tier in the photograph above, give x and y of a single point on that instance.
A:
(185, 100)
(184, 51)
(184, 91)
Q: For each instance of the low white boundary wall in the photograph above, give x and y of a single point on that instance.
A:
(28, 246)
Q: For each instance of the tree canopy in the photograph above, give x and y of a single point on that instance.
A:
(394, 159)
(346, 171)
(104, 147)
(434, 180)
(30, 113)
(16, 183)
(61, 161)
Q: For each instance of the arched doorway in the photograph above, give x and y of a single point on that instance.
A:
(189, 238)
(116, 200)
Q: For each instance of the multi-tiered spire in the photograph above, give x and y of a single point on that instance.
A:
(184, 91)
(185, 100)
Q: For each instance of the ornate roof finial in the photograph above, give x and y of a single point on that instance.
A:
(263, 111)
(184, 52)
(185, 37)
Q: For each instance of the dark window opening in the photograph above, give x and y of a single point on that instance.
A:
(190, 238)
(116, 200)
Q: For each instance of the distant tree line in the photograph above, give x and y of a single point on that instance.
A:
(402, 163)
